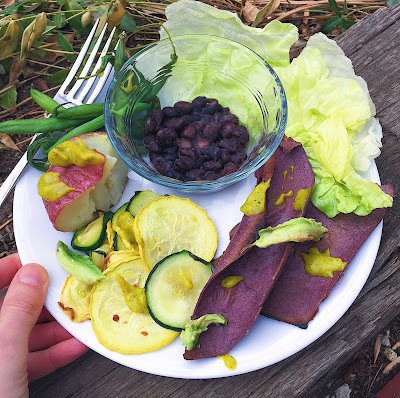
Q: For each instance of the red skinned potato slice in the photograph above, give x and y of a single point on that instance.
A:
(296, 295)
(76, 208)
(241, 304)
(97, 187)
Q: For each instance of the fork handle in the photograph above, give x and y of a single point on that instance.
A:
(10, 181)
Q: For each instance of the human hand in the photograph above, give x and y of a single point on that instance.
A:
(33, 344)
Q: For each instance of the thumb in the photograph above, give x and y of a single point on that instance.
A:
(22, 306)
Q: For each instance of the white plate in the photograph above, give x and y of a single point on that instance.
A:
(36, 240)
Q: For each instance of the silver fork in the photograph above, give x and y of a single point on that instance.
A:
(84, 91)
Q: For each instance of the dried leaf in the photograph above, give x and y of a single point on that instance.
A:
(14, 70)
(9, 42)
(8, 2)
(7, 141)
(266, 11)
(377, 348)
(116, 15)
(391, 365)
(250, 11)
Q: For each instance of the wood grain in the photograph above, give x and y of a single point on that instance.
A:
(372, 44)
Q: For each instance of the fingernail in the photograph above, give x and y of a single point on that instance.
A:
(32, 275)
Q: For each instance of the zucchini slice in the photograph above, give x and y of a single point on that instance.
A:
(142, 199)
(92, 236)
(117, 213)
(173, 288)
(98, 256)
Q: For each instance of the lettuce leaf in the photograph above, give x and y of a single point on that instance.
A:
(194, 17)
(331, 114)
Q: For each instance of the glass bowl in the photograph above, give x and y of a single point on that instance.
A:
(181, 69)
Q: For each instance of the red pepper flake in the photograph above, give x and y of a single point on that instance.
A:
(115, 318)
(144, 333)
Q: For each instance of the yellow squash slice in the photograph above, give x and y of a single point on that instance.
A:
(75, 299)
(170, 225)
(115, 325)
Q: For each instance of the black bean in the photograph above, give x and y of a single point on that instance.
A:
(213, 152)
(184, 144)
(171, 153)
(193, 117)
(199, 102)
(225, 156)
(189, 132)
(213, 107)
(229, 168)
(170, 112)
(227, 130)
(151, 144)
(184, 107)
(150, 126)
(171, 123)
(187, 152)
(211, 132)
(241, 134)
(158, 117)
(196, 175)
(238, 158)
(166, 137)
(212, 165)
(230, 145)
(185, 163)
(175, 174)
(202, 144)
(181, 123)
(212, 175)
(229, 118)
(199, 126)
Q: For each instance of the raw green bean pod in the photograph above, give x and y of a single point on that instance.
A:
(44, 101)
(34, 126)
(88, 127)
(81, 111)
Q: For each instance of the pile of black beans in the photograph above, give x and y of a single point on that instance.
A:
(198, 140)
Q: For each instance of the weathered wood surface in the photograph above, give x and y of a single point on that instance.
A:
(373, 45)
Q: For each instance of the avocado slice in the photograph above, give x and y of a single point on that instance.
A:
(79, 266)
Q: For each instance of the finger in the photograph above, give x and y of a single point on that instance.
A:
(44, 316)
(8, 268)
(41, 363)
(45, 335)
(21, 306)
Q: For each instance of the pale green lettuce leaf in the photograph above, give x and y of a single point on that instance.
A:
(331, 114)
(194, 17)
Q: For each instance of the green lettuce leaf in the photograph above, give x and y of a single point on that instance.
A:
(331, 114)
(194, 17)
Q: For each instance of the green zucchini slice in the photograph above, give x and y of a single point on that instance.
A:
(140, 200)
(173, 288)
(117, 213)
(92, 236)
(98, 256)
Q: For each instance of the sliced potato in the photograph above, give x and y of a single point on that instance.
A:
(115, 325)
(170, 225)
(75, 299)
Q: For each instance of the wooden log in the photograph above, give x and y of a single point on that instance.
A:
(372, 44)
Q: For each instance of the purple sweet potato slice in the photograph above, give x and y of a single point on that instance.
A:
(241, 304)
(246, 232)
(296, 295)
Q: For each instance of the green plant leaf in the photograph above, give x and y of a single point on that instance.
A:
(128, 24)
(335, 7)
(59, 19)
(390, 3)
(15, 8)
(331, 24)
(345, 10)
(65, 45)
(8, 98)
(347, 23)
(59, 77)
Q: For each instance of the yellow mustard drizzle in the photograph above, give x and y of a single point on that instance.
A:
(231, 281)
(51, 188)
(285, 173)
(229, 361)
(68, 153)
(301, 199)
(322, 264)
(292, 168)
(281, 200)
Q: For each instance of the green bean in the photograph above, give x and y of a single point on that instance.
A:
(34, 126)
(86, 110)
(88, 127)
(44, 101)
